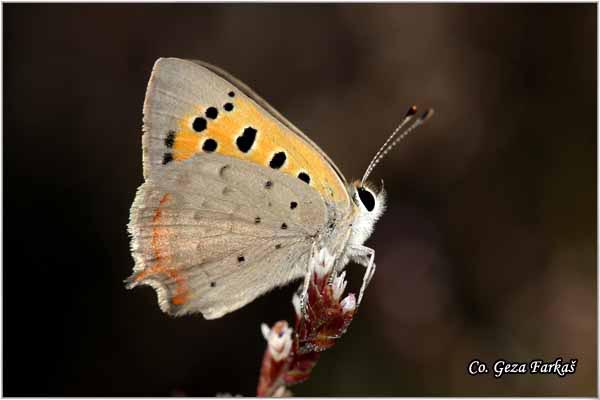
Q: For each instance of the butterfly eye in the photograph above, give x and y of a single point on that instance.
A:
(366, 198)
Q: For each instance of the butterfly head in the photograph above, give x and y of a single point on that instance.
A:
(369, 204)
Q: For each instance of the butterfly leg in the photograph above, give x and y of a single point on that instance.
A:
(364, 256)
(307, 279)
(367, 278)
(305, 285)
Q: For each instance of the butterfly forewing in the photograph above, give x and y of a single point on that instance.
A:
(270, 110)
(190, 109)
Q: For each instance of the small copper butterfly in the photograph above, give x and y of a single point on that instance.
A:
(235, 196)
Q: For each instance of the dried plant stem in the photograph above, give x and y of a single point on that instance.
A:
(292, 353)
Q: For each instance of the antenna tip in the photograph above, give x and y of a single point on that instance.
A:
(426, 115)
(411, 111)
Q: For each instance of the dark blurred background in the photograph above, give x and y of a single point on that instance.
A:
(487, 250)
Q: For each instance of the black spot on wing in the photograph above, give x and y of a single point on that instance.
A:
(268, 185)
(228, 106)
(231, 94)
(246, 140)
(303, 176)
(167, 158)
(257, 220)
(284, 226)
(211, 112)
(209, 145)
(277, 160)
(241, 259)
(199, 124)
(293, 205)
(170, 139)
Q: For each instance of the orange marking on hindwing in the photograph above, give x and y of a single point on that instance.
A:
(161, 266)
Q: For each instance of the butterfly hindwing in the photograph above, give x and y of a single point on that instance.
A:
(213, 232)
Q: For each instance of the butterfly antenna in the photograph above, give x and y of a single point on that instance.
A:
(409, 114)
(393, 141)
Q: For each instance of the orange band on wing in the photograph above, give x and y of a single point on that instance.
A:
(181, 289)
(197, 134)
(186, 144)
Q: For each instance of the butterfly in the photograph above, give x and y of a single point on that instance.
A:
(235, 197)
